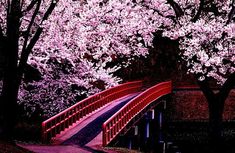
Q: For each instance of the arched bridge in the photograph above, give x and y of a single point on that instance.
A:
(98, 119)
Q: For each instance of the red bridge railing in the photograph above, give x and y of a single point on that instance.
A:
(120, 119)
(69, 116)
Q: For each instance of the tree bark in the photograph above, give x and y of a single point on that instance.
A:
(13, 66)
(216, 108)
(10, 86)
(216, 103)
(9, 107)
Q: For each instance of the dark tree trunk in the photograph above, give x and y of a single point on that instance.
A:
(10, 78)
(216, 108)
(13, 66)
(215, 128)
(216, 103)
(9, 107)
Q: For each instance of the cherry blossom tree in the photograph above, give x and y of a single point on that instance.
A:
(79, 47)
(73, 47)
(205, 31)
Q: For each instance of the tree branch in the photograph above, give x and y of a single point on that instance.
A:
(2, 40)
(227, 86)
(231, 13)
(1, 32)
(30, 6)
(21, 4)
(196, 17)
(30, 26)
(158, 12)
(178, 10)
(8, 6)
(50, 9)
(28, 49)
(204, 86)
(3, 3)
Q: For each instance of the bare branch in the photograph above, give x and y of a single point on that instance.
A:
(159, 12)
(178, 10)
(39, 30)
(30, 6)
(1, 32)
(21, 4)
(50, 9)
(227, 86)
(28, 49)
(30, 25)
(204, 86)
(196, 17)
(8, 6)
(231, 13)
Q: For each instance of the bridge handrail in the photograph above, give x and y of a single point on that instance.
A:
(69, 116)
(120, 119)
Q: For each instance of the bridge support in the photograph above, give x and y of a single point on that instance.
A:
(159, 142)
(147, 130)
(160, 120)
(148, 134)
(136, 130)
(130, 143)
(132, 138)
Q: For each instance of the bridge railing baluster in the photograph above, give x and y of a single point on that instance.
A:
(132, 108)
(71, 115)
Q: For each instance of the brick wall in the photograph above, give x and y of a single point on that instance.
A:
(192, 105)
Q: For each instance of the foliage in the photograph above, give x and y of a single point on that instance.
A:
(78, 51)
(206, 37)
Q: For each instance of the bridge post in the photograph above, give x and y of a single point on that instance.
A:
(160, 120)
(132, 138)
(152, 114)
(147, 130)
(153, 129)
(135, 139)
(136, 130)
(162, 146)
(138, 141)
(141, 134)
(157, 115)
(130, 143)
(148, 136)
(161, 112)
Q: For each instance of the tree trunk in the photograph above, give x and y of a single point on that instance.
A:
(215, 128)
(216, 103)
(10, 77)
(9, 108)
(216, 108)
(10, 90)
